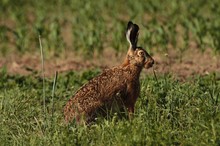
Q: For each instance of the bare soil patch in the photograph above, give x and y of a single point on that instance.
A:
(189, 63)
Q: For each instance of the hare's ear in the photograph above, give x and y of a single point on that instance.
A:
(132, 34)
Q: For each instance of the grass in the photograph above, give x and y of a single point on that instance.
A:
(168, 112)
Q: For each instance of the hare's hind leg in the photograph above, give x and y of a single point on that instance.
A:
(71, 113)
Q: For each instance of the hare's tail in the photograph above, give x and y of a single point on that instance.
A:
(68, 111)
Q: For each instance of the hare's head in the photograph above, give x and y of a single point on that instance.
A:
(136, 55)
(141, 58)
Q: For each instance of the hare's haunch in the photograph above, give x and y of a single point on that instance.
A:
(120, 84)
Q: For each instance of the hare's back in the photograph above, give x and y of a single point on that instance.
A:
(102, 86)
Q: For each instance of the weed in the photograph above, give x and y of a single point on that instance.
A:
(167, 112)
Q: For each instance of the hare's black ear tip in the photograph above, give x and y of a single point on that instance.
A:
(130, 24)
(136, 26)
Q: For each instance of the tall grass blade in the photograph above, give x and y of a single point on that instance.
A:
(53, 93)
(43, 76)
(155, 76)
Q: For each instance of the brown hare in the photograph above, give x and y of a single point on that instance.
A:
(120, 84)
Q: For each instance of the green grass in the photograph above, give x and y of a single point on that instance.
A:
(168, 112)
(94, 25)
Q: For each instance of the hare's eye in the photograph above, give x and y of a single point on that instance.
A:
(141, 53)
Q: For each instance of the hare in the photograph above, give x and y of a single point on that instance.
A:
(120, 84)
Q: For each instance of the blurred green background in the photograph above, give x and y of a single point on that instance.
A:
(89, 26)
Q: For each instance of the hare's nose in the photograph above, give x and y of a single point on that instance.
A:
(152, 62)
(149, 63)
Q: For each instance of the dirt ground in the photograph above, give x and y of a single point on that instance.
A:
(191, 62)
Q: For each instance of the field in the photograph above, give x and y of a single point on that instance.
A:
(179, 102)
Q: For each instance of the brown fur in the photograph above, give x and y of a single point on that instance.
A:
(120, 84)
